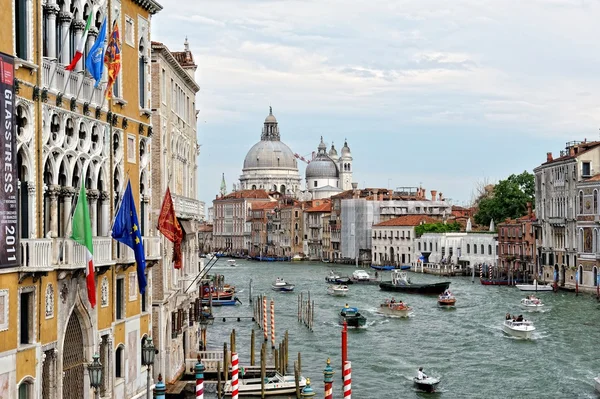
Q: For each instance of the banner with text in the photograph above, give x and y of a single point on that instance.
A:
(9, 228)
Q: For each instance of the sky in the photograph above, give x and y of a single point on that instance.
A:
(443, 94)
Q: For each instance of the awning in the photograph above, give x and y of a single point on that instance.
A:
(186, 225)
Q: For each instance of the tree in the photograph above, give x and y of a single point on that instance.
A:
(436, 228)
(509, 199)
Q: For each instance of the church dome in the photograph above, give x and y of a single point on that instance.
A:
(322, 167)
(270, 155)
(345, 149)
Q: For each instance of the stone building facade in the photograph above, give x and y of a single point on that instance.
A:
(316, 216)
(393, 240)
(517, 250)
(66, 135)
(174, 154)
(588, 237)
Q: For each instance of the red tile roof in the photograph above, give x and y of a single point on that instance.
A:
(594, 178)
(408, 220)
(325, 207)
(581, 149)
(258, 194)
(264, 205)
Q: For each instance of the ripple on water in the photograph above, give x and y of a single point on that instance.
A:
(464, 346)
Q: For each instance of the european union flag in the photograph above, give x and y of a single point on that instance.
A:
(126, 230)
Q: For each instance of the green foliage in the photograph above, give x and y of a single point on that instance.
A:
(509, 200)
(436, 228)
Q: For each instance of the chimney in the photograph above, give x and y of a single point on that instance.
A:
(423, 191)
(549, 157)
(441, 197)
(529, 213)
(572, 151)
(390, 194)
(381, 196)
(354, 186)
(433, 194)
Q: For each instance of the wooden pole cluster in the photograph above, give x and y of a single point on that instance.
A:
(263, 369)
(272, 324)
(306, 313)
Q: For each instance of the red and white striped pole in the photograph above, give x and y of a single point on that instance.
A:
(199, 369)
(328, 380)
(234, 375)
(344, 343)
(347, 373)
(272, 324)
(265, 325)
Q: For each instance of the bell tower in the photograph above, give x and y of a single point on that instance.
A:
(345, 166)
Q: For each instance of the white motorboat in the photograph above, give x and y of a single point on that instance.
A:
(518, 329)
(360, 275)
(337, 290)
(597, 384)
(531, 303)
(274, 385)
(535, 287)
(281, 285)
(231, 262)
(297, 258)
(334, 278)
(394, 309)
(427, 384)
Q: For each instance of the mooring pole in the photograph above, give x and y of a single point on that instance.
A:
(344, 343)
(347, 372)
(328, 380)
(252, 348)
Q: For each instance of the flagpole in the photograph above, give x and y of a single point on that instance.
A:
(73, 206)
(114, 22)
(120, 200)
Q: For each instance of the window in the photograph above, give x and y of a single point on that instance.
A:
(482, 251)
(131, 148)
(408, 235)
(142, 73)
(129, 37)
(489, 249)
(163, 85)
(120, 302)
(475, 248)
(315, 183)
(25, 390)
(119, 360)
(22, 29)
(586, 169)
(144, 301)
(468, 248)
(581, 202)
(296, 215)
(26, 317)
(595, 202)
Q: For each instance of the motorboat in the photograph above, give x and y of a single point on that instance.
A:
(297, 258)
(519, 329)
(383, 267)
(352, 317)
(334, 278)
(427, 384)
(222, 302)
(231, 262)
(535, 287)
(394, 309)
(274, 385)
(281, 285)
(360, 276)
(401, 283)
(446, 298)
(531, 303)
(337, 290)
(223, 293)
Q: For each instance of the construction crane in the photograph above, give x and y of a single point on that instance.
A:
(300, 157)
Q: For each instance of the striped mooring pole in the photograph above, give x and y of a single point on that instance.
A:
(160, 388)
(328, 380)
(199, 369)
(265, 325)
(272, 324)
(234, 375)
(347, 372)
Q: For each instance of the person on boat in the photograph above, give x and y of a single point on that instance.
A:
(520, 317)
(393, 300)
(420, 374)
(508, 317)
(376, 275)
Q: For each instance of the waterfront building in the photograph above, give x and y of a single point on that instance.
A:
(517, 246)
(174, 154)
(261, 219)
(393, 240)
(316, 215)
(588, 237)
(66, 135)
(205, 238)
(290, 228)
(397, 204)
(270, 164)
(231, 226)
(463, 249)
(358, 215)
(327, 174)
(557, 204)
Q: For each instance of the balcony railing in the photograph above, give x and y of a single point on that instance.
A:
(188, 208)
(65, 253)
(71, 84)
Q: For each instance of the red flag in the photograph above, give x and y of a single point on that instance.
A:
(169, 226)
(112, 59)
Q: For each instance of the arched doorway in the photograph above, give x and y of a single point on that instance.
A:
(73, 360)
(563, 271)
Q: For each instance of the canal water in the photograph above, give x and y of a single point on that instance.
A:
(464, 346)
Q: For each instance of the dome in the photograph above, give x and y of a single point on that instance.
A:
(270, 118)
(322, 169)
(333, 151)
(270, 155)
(345, 149)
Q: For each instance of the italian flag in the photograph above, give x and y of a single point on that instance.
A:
(82, 41)
(82, 234)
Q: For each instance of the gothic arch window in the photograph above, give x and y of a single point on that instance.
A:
(595, 202)
(49, 301)
(254, 187)
(581, 202)
(142, 72)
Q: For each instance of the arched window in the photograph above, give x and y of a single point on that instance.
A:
(254, 187)
(580, 274)
(475, 248)
(581, 202)
(142, 72)
(482, 251)
(468, 248)
(489, 249)
(120, 362)
(595, 202)
(26, 389)
(274, 187)
(282, 190)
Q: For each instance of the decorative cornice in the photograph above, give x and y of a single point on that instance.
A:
(161, 49)
(149, 5)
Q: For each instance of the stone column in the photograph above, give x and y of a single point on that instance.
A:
(104, 214)
(51, 12)
(53, 192)
(146, 200)
(93, 196)
(65, 22)
(92, 34)
(31, 210)
(67, 194)
(78, 26)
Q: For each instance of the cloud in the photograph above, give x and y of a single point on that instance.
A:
(377, 72)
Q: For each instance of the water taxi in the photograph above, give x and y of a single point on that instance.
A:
(337, 290)
(531, 302)
(394, 309)
(446, 298)
(274, 385)
(281, 285)
(519, 329)
(352, 317)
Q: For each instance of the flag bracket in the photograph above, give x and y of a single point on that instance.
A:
(35, 276)
(98, 112)
(73, 104)
(124, 265)
(59, 99)
(102, 269)
(45, 95)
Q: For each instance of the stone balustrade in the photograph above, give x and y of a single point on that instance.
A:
(71, 84)
(188, 208)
